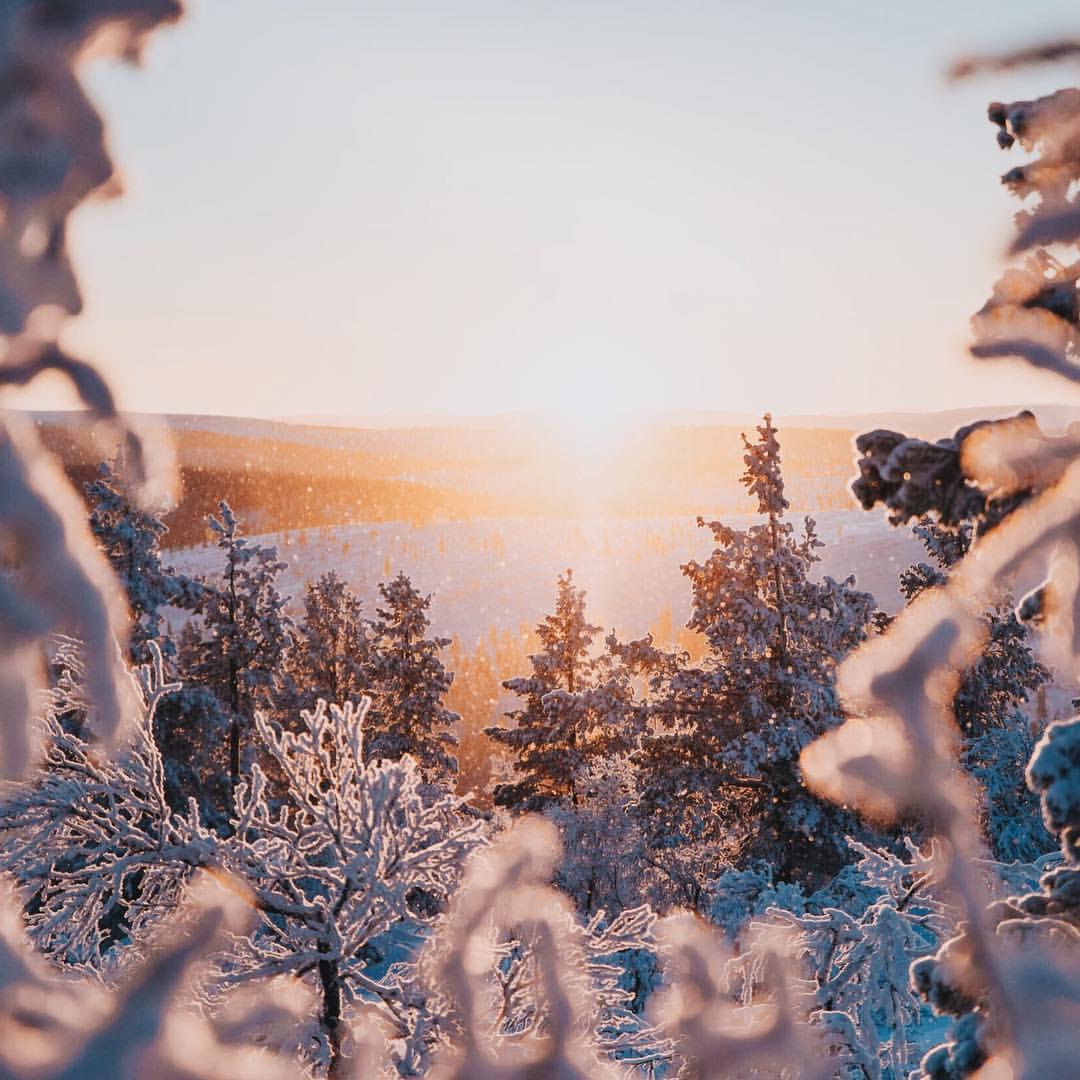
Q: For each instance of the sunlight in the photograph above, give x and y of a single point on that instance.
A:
(594, 416)
(591, 425)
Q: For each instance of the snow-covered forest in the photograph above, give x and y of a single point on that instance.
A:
(248, 834)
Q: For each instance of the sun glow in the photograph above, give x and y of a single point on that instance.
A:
(596, 413)
(592, 429)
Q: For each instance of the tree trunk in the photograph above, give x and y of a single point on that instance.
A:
(330, 1018)
(234, 729)
(234, 756)
(234, 688)
(778, 584)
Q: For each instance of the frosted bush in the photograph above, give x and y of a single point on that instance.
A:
(91, 838)
(354, 850)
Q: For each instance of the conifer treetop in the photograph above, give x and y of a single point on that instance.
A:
(762, 476)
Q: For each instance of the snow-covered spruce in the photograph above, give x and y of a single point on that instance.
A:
(407, 683)
(726, 733)
(244, 636)
(130, 536)
(330, 651)
(577, 711)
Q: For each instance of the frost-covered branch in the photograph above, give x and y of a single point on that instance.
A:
(355, 851)
(520, 987)
(720, 1035)
(52, 157)
(91, 838)
(69, 1028)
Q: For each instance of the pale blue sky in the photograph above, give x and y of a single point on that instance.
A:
(349, 207)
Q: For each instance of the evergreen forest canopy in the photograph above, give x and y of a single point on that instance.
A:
(824, 841)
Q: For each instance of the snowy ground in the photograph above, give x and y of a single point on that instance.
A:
(501, 572)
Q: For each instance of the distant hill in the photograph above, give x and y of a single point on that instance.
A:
(930, 424)
(281, 475)
(369, 431)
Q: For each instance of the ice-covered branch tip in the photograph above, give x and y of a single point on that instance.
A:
(75, 1029)
(1044, 52)
(503, 886)
(521, 988)
(53, 156)
(980, 473)
(53, 153)
(896, 752)
(1033, 312)
(718, 1037)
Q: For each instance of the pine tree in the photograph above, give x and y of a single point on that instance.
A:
(247, 631)
(329, 653)
(188, 724)
(576, 708)
(720, 765)
(130, 538)
(408, 684)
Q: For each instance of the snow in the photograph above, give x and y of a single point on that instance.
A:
(499, 572)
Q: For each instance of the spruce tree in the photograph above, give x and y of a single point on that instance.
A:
(720, 763)
(576, 710)
(329, 652)
(191, 730)
(408, 684)
(130, 538)
(246, 631)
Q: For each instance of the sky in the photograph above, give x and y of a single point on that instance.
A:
(447, 207)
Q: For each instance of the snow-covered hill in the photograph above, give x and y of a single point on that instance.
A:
(500, 573)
